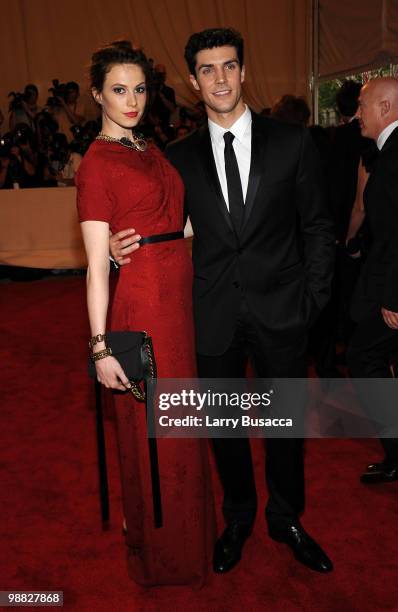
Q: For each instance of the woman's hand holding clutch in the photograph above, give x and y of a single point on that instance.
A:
(110, 373)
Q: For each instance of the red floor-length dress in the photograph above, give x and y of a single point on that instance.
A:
(129, 188)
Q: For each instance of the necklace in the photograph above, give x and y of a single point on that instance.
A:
(138, 143)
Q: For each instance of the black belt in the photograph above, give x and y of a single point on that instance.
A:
(161, 238)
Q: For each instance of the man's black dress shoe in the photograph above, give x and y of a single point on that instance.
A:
(380, 472)
(304, 548)
(228, 548)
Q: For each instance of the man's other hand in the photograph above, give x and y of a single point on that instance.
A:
(122, 244)
(390, 318)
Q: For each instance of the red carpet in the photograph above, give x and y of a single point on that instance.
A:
(51, 534)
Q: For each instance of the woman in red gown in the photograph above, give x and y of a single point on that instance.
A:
(119, 184)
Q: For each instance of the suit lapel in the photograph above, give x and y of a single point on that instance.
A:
(391, 141)
(258, 150)
(256, 166)
(207, 159)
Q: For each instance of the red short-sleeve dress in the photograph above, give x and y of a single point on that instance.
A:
(129, 188)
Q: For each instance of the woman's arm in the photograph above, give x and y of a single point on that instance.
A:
(73, 116)
(358, 210)
(96, 242)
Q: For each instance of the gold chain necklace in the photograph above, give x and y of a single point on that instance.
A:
(139, 143)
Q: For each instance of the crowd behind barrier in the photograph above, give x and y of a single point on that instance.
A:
(43, 146)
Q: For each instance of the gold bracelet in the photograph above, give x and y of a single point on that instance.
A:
(95, 339)
(107, 352)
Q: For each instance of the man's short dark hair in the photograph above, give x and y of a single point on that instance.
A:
(208, 39)
(347, 98)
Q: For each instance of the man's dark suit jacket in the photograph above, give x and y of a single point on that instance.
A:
(282, 258)
(378, 282)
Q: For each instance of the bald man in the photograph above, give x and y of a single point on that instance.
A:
(374, 345)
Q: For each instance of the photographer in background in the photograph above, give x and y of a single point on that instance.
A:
(23, 107)
(66, 107)
(84, 135)
(164, 100)
(54, 159)
(66, 176)
(161, 107)
(47, 126)
(160, 133)
(59, 160)
(18, 159)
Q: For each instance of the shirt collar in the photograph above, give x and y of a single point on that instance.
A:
(238, 129)
(385, 134)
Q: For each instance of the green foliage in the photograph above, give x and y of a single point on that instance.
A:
(327, 89)
(327, 94)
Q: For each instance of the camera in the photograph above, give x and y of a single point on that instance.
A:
(20, 136)
(61, 91)
(46, 122)
(5, 146)
(58, 90)
(57, 153)
(83, 136)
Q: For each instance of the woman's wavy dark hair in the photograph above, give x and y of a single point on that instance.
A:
(117, 52)
(347, 97)
(208, 39)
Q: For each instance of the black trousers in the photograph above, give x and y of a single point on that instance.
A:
(372, 350)
(284, 457)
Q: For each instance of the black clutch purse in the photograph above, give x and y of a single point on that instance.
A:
(134, 352)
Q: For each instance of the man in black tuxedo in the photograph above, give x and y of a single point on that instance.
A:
(374, 345)
(263, 258)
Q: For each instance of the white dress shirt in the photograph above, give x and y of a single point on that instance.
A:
(385, 134)
(242, 144)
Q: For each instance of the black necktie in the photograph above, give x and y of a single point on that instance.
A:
(235, 194)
